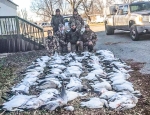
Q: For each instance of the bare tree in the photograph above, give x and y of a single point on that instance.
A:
(95, 6)
(129, 1)
(100, 4)
(87, 6)
(23, 14)
(61, 4)
(43, 8)
(74, 3)
(46, 8)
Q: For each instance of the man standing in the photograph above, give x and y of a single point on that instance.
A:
(56, 20)
(89, 38)
(74, 39)
(77, 19)
(61, 35)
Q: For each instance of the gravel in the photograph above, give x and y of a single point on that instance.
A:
(123, 47)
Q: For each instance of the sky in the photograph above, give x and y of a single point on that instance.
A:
(26, 5)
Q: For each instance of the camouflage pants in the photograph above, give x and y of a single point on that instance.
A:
(51, 50)
(88, 47)
(63, 49)
(75, 47)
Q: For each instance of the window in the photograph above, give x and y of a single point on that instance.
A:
(125, 9)
(119, 10)
(140, 7)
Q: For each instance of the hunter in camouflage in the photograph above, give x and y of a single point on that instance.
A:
(52, 43)
(89, 38)
(77, 19)
(74, 39)
(61, 35)
(56, 20)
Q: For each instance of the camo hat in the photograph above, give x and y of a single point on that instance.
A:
(61, 25)
(73, 24)
(87, 26)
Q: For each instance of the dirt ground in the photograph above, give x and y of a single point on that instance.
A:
(12, 66)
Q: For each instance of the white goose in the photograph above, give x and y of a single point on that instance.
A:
(123, 87)
(107, 95)
(102, 85)
(94, 103)
(75, 84)
(15, 102)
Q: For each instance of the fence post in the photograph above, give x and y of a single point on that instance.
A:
(17, 25)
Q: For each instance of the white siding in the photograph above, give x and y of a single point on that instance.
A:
(7, 8)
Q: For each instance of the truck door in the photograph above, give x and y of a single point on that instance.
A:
(125, 17)
(117, 17)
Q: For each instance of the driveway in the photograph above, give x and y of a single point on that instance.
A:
(123, 47)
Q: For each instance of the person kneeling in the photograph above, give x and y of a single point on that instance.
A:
(52, 44)
(74, 39)
(62, 38)
(89, 38)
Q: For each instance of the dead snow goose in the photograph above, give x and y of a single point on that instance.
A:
(16, 102)
(94, 103)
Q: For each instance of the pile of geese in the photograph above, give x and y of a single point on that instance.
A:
(63, 81)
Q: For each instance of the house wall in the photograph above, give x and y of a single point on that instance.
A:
(96, 19)
(7, 8)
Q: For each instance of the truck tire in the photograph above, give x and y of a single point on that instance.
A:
(134, 35)
(109, 30)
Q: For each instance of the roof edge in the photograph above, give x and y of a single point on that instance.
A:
(12, 2)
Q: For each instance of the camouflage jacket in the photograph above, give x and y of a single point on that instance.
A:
(52, 42)
(89, 36)
(77, 20)
(56, 20)
(61, 37)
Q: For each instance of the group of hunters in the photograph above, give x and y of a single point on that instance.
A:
(72, 41)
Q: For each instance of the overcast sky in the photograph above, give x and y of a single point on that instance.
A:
(26, 5)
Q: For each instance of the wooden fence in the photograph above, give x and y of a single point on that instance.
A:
(17, 34)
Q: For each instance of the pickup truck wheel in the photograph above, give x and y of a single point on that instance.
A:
(109, 30)
(134, 33)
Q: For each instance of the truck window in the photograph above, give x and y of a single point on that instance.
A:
(140, 7)
(125, 9)
(119, 8)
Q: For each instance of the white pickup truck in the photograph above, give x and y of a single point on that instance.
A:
(133, 17)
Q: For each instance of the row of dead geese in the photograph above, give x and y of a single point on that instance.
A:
(105, 75)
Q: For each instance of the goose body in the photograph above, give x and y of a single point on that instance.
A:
(16, 102)
(56, 71)
(90, 77)
(47, 94)
(75, 63)
(30, 80)
(50, 80)
(22, 87)
(102, 85)
(123, 87)
(121, 81)
(123, 102)
(75, 84)
(71, 95)
(61, 67)
(33, 103)
(108, 94)
(94, 103)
